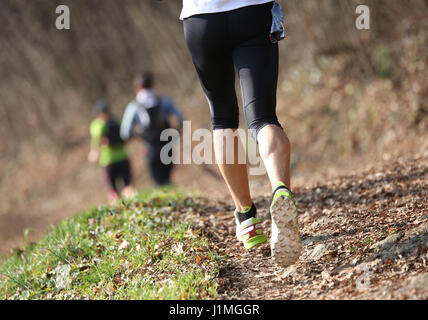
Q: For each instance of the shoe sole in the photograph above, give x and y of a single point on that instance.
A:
(286, 243)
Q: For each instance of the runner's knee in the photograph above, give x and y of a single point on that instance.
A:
(259, 114)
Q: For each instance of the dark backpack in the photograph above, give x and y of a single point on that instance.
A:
(113, 132)
(158, 123)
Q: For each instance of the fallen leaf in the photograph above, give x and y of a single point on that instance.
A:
(124, 245)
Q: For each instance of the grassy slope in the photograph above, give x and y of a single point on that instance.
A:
(140, 249)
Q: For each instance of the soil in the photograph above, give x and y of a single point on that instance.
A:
(365, 236)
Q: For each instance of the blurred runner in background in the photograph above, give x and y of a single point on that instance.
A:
(146, 117)
(108, 148)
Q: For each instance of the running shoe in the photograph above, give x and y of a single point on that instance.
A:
(286, 244)
(112, 197)
(248, 228)
(128, 192)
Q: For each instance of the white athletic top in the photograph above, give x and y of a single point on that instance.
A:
(192, 7)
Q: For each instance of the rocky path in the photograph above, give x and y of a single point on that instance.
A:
(365, 236)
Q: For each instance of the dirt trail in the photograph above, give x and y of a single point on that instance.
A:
(364, 236)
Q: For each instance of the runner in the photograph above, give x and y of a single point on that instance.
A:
(108, 149)
(243, 34)
(146, 117)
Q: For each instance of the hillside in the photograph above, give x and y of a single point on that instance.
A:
(347, 98)
(365, 236)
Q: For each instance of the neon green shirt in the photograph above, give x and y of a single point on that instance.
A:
(108, 154)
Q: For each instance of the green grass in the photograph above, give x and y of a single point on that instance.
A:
(140, 249)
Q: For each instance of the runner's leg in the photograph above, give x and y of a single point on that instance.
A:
(234, 173)
(159, 172)
(275, 149)
(256, 60)
(111, 182)
(206, 37)
(125, 174)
